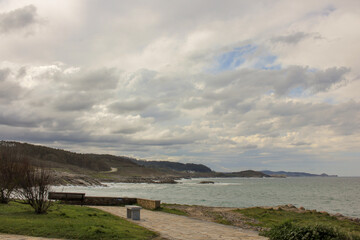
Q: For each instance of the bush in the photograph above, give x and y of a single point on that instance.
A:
(9, 172)
(34, 186)
(289, 231)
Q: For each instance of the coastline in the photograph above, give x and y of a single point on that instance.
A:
(333, 195)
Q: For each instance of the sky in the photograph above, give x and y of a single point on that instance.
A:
(232, 84)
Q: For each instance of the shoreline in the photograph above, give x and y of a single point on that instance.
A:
(199, 210)
(271, 192)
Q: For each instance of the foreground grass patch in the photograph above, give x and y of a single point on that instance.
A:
(166, 208)
(288, 230)
(70, 222)
(269, 218)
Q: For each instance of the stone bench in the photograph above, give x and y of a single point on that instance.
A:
(133, 212)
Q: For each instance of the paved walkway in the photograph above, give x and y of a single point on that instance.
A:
(20, 237)
(176, 227)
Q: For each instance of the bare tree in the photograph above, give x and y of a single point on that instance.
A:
(34, 186)
(9, 172)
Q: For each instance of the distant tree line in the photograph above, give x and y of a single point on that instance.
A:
(45, 155)
(182, 167)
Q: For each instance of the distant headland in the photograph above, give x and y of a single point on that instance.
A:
(92, 169)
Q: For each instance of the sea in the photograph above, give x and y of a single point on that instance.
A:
(330, 194)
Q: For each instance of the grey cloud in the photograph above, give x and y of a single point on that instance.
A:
(18, 19)
(75, 101)
(19, 119)
(126, 106)
(291, 38)
(91, 80)
(342, 118)
(250, 146)
(34, 135)
(196, 103)
(4, 73)
(149, 83)
(271, 116)
(247, 83)
(9, 91)
(315, 81)
(323, 80)
(22, 72)
(160, 114)
(301, 144)
(130, 130)
(181, 140)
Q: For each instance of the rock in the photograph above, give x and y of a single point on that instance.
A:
(290, 206)
(302, 208)
(206, 182)
(167, 181)
(75, 179)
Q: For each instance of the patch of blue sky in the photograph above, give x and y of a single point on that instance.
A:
(270, 92)
(233, 59)
(296, 92)
(267, 63)
(312, 70)
(326, 11)
(330, 101)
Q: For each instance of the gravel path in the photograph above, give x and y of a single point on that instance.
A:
(176, 227)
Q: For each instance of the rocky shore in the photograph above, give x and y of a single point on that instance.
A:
(156, 180)
(64, 179)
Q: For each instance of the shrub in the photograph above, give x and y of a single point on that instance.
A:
(9, 171)
(289, 231)
(34, 186)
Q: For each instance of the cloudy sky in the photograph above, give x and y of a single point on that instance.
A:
(231, 84)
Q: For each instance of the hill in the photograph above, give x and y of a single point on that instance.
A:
(295, 174)
(246, 174)
(76, 168)
(83, 169)
(176, 166)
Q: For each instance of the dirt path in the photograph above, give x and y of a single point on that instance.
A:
(112, 170)
(20, 237)
(176, 227)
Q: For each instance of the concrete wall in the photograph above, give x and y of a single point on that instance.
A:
(109, 201)
(149, 204)
(80, 198)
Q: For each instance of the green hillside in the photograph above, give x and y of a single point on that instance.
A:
(76, 168)
(103, 167)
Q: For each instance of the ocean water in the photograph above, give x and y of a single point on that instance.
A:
(334, 195)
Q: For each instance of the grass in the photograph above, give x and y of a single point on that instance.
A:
(69, 222)
(168, 209)
(269, 218)
(165, 208)
(220, 219)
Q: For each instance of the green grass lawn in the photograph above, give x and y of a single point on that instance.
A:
(166, 208)
(67, 221)
(269, 218)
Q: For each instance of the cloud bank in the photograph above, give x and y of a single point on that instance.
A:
(232, 85)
